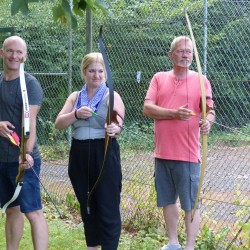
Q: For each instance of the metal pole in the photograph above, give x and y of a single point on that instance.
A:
(89, 30)
(70, 69)
(205, 39)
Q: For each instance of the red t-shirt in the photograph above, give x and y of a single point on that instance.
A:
(178, 139)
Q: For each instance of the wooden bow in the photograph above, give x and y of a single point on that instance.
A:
(203, 105)
(109, 116)
(24, 137)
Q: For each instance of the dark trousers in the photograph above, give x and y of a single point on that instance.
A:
(102, 223)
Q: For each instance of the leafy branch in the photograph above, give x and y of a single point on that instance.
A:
(62, 11)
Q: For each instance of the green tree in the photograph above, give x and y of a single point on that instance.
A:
(63, 10)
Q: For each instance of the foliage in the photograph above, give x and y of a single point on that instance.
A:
(149, 223)
(135, 137)
(72, 202)
(148, 52)
(208, 240)
(138, 234)
(50, 152)
(233, 137)
(228, 64)
(62, 11)
(245, 235)
(243, 226)
(245, 130)
(49, 137)
(146, 232)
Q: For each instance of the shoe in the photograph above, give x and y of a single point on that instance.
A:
(171, 247)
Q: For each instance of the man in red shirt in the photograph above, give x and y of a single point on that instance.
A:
(173, 101)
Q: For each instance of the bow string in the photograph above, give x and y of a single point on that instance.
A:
(203, 106)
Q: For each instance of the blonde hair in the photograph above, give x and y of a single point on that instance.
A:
(177, 40)
(89, 59)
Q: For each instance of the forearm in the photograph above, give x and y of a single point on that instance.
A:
(207, 124)
(31, 141)
(66, 117)
(65, 120)
(211, 116)
(158, 113)
(34, 109)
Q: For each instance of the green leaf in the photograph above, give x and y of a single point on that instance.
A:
(58, 13)
(21, 5)
(63, 10)
(237, 202)
(66, 7)
(68, 14)
(63, 13)
(96, 4)
(81, 5)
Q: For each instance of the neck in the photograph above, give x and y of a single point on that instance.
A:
(91, 91)
(10, 75)
(180, 72)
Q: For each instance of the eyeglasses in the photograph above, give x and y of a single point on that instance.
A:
(182, 51)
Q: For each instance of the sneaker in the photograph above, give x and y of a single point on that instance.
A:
(171, 247)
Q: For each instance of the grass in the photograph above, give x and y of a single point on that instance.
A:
(138, 233)
(67, 235)
(61, 236)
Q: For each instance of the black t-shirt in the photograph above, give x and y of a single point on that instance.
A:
(11, 110)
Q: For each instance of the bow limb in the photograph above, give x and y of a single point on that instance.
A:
(25, 124)
(14, 197)
(24, 137)
(109, 78)
(20, 175)
(111, 98)
(203, 105)
(108, 139)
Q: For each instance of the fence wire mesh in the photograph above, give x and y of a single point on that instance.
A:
(137, 37)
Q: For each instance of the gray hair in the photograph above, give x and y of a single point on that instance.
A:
(177, 40)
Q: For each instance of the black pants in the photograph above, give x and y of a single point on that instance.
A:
(103, 224)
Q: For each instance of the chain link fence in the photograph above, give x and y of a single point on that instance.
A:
(137, 37)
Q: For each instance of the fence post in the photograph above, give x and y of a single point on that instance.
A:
(205, 39)
(89, 30)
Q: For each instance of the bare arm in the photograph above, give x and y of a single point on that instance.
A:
(115, 129)
(119, 107)
(206, 125)
(211, 116)
(156, 112)
(34, 109)
(66, 117)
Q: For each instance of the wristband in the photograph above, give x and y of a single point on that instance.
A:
(77, 118)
